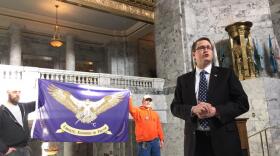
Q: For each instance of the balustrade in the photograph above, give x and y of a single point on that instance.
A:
(99, 79)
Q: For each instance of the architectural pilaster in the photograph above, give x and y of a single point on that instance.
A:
(15, 44)
(70, 53)
(68, 148)
(115, 57)
(69, 65)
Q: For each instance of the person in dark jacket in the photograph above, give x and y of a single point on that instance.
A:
(208, 99)
(14, 130)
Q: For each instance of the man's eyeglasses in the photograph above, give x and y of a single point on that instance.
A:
(202, 48)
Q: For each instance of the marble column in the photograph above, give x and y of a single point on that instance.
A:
(15, 45)
(4, 52)
(122, 56)
(173, 40)
(70, 65)
(132, 58)
(70, 53)
(115, 56)
(68, 149)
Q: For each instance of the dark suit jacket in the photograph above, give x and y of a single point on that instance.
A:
(12, 134)
(227, 95)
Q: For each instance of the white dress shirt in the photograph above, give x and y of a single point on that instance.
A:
(197, 79)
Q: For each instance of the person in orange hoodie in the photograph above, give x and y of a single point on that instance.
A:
(148, 130)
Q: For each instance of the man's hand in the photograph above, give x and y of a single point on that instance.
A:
(212, 112)
(204, 110)
(10, 150)
(201, 110)
(161, 143)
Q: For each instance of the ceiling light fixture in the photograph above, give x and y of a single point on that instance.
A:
(56, 39)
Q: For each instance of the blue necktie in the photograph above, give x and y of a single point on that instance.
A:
(202, 95)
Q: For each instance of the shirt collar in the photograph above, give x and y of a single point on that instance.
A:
(207, 69)
(7, 104)
(144, 107)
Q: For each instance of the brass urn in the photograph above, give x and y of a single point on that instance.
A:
(241, 49)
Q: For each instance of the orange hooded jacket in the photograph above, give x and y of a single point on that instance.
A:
(147, 123)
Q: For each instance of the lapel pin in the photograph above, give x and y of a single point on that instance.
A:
(216, 75)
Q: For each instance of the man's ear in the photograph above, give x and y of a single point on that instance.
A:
(193, 55)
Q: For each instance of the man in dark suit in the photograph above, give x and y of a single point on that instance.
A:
(208, 99)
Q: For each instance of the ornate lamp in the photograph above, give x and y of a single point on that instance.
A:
(56, 39)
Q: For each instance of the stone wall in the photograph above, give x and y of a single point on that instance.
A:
(115, 56)
(120, 57)
(4, 47)
(213, 16)
(263, 95)
(146, 59)
(132, 58)
(169, 41)
(93, 53)
(135, 58)
(178, 26)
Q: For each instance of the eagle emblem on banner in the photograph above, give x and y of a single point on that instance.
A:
(85, 111)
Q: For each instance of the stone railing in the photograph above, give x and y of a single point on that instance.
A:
(99, 79)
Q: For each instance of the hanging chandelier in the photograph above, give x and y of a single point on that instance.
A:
(56, 39)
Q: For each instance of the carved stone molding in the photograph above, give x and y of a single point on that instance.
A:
(144, 4)
(138, 9)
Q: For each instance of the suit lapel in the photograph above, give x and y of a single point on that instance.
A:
(191, 90)
(213, 81)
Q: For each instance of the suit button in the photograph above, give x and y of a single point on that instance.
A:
(193, 133)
